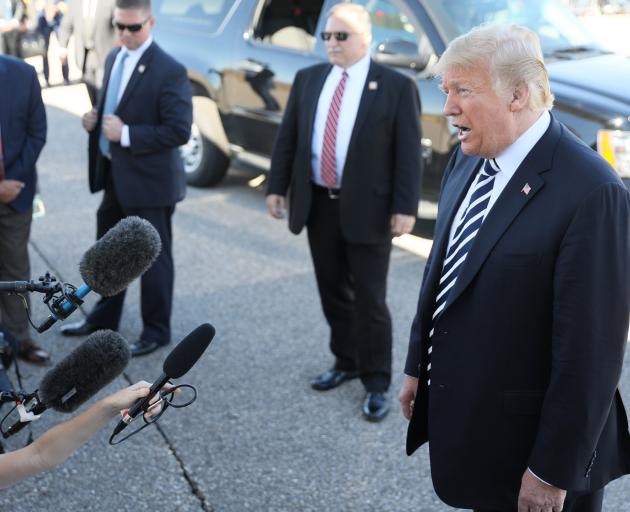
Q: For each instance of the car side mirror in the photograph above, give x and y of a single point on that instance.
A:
(400, 53)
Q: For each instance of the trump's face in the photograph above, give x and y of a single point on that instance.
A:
(483, 117)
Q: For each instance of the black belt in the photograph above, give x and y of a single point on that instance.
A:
(333, 193)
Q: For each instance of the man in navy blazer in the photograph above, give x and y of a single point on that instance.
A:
(142, 117)
(516, 350)
(374, 194)
(22, 137)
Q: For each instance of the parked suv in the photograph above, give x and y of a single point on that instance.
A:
(242, 56)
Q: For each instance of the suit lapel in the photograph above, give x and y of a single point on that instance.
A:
(509, 204)
(370, 91)
(314, 91)
(136, 76)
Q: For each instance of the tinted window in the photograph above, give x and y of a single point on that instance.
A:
(390, 22)
(555, 25)
(206, 15)
(289, 23)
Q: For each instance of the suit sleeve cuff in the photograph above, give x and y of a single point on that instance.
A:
(125, 142)
(538, 478)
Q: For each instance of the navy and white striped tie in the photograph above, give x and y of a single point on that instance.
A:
(463, 238)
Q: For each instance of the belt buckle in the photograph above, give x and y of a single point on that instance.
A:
(333, 194)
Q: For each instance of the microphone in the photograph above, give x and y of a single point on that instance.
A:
(181, 359)
(79, 376)
(121, 255)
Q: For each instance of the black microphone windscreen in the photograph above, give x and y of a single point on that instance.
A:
(121, 255)
(188, 351)
(84, 371)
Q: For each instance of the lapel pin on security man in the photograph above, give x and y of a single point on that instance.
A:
(373, 85)
(141, 68)
(526, 189)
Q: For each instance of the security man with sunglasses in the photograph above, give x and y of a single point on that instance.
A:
(143, 115)
(348, 155)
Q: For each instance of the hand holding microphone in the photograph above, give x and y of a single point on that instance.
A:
(57, 444)
(181, 359)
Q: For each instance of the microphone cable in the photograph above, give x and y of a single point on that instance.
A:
(166, 398)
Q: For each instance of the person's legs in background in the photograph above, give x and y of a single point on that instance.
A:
(15, 230)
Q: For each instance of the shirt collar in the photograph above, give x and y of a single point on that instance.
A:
(137, 53)
(511, 157)
(361, 66)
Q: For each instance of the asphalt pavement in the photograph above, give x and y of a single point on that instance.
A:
(257, 438)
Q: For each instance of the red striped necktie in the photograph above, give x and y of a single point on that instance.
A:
(329, 157)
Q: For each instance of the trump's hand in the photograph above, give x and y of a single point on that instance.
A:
(112, 127)
(9, 190)
(407, 395)
(537, 496)
(402, 224)
(276, 206)
(89, 120)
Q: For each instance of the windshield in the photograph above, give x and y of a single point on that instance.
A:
(557, 28)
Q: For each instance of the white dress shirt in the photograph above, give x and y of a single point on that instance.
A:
(133, 57)
(357, 74)
(508, 161)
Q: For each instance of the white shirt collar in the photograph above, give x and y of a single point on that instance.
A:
(511, 157)
(137, 53)
(361, 66)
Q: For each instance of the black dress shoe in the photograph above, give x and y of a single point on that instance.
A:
(142, 347)
(331, 379)
(82, 328)
(32, 353)
(375, 407)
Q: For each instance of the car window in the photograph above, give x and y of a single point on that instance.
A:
(555, 25)
(206, 15)
(390, 22)
(288, 23)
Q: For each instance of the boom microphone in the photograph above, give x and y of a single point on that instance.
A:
(121, 255)
(85, 371)
(181, 359)
(81, 374)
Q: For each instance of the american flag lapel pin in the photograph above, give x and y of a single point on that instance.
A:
(373, 85)
(141, 68)
(526, 189)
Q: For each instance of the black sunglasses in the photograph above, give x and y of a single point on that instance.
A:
(339, 36)
(134, 27)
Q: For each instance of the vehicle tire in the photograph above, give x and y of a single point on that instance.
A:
(206, 155)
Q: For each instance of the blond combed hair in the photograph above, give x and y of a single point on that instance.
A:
(513, 56)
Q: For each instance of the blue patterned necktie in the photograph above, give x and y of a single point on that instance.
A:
(111, 98)
(463, 238)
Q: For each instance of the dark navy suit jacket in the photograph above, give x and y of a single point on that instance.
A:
(23, 126)
(157, 107)
(527, 354)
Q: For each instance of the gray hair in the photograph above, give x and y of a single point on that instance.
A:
(513, 55)
(360, 13)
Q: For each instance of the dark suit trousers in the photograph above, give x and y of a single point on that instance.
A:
(352, 282)
(156, 284)
(15, 229)
(579, 502)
